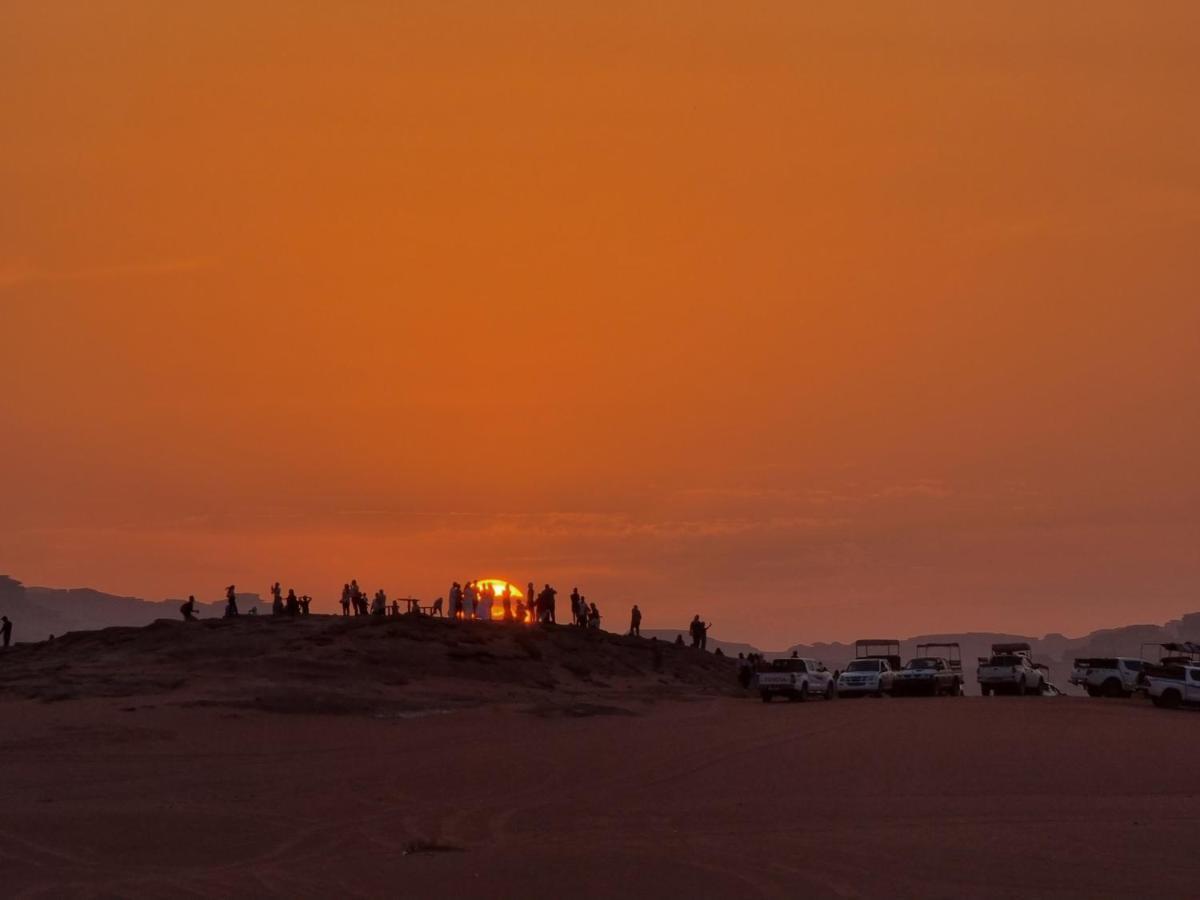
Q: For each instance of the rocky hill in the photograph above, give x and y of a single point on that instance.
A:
(389, 666)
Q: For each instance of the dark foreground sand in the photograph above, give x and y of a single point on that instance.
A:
(715, 797)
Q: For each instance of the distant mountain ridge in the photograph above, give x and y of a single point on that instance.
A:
(38, 612)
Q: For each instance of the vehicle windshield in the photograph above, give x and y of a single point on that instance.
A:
(864, 665)
(922, 664)
(1005, 661)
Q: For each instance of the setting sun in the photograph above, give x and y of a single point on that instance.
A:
(493, 590)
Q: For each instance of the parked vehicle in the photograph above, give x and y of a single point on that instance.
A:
(1011, 669)
(927, 675)
(866, 676)
(880, 648)
(796, 679)
(1108, 676)
(1173, 685)
(951, 653)
(1179, 654)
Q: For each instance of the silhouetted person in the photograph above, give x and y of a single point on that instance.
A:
(231, 609)
(679, 640)
(506, 603)
(304, 601)
(5, 630)
(188, 609)
(635, 622)
(292, 604)
(395, 607)
(456, 601)
(549, 613)
(745, 671)
(345, 600)
(473, 599)
(437, 607)
(276, 599)
(529, 594)
(593, 617)
(575, 605)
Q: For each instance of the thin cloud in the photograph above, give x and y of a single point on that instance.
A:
(17, 274)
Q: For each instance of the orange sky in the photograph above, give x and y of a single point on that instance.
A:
(817, 321)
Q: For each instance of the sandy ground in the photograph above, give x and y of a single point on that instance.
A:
(716, 797)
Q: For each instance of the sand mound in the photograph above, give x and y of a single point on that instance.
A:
(331, 665)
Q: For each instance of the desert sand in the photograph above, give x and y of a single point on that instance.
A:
(328, 759)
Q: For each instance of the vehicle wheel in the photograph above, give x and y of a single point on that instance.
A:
(829, 693)
(1171, 699)
(1093, 692)
(985, 690)
(956, 689)
(803, 695)
(1112, 688)
(766, 695)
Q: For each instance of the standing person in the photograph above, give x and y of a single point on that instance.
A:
(593, 617)
(292, 605)
(551, 599)
(695, 629)
(188, 609)
(704, 626)
(276, 600)
(5, 630)
(744, 671)
(529, 599)
(470, 598)
(506, 602)
(575, 605)
(635, 622)
(345, 600)
(456, 601)
(231, 609)
(304, 601)
(356, 596)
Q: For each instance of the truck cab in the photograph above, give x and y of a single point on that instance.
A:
(1173, 685)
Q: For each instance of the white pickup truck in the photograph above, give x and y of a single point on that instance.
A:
(866, 676)
(795, 678)
(1173, 685)
(1010, 668)
(1108, 676)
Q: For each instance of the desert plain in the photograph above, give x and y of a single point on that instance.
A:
(335, 758)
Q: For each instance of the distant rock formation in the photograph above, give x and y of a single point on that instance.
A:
(38, 612)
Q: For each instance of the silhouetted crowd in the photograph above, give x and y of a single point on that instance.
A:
(472, 600)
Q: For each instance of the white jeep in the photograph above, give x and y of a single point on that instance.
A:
(796, 679)
(1173, 685)
(1010, 668)
(1108, 676)
(866, 676)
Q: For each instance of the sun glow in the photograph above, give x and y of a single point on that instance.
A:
(493, 588)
